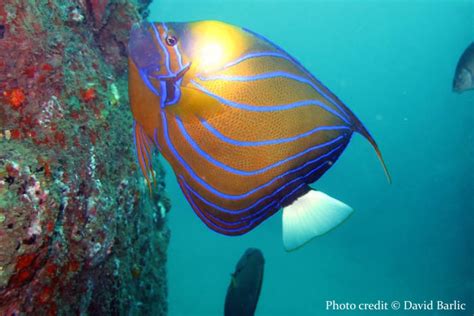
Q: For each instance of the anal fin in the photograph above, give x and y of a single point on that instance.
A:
(311, 215)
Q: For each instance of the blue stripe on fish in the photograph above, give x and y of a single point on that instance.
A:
(194, 175)
(227, 168)
(262, 199)
(300, 66)
(265, 208)
(170, 75)
(263, 76)
(261, 214)
(266, 197)
(270, 108)
(145, 77)
(278, 205)
(180, 61)
(253, 55)
(177, 94)
(160, 42)
(145, 152)
(295, 61)
(255, 216)
(286, 56)
(164, 94)
(202, 215)
(235, 142)
(144, 71)
(270, 75)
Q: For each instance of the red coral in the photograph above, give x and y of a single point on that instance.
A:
(22, 277)
(50, 227)
(51, 269)
(88, 94)
(15, 97)
(30, 71)
(42, 79)
(60, 138)
(47, 67)
(15, 134)
(43, 162)
(25, 261)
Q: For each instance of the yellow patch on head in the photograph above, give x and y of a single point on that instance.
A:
(215, 44)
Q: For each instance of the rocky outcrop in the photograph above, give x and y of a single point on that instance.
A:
(79, 231)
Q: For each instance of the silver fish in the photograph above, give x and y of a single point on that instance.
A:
(464, 76)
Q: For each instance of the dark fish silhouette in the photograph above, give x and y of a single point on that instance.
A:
(464, 76)
(244, 289)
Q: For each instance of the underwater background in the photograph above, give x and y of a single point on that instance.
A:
(392, 63)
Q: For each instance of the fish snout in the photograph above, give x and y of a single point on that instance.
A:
(142, 50)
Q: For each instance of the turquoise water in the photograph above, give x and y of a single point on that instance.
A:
(392, 63)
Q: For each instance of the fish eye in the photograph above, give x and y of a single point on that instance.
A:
(171, 40)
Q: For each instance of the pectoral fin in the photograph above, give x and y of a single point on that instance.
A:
(143, 149)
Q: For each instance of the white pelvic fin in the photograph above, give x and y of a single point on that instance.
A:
(311, 215)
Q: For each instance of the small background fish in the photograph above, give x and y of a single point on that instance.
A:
(464, 75)
(245, 284)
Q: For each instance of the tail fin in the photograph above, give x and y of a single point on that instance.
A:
(360, 128)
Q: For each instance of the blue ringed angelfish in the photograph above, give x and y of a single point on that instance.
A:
(245, 127)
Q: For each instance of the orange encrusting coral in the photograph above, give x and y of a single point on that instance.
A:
(88, 94)
(15, 97)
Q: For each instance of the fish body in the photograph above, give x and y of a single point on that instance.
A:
(245, 127)
(464, 75)
(245, 285)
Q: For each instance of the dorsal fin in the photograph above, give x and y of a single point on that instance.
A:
(360, 128)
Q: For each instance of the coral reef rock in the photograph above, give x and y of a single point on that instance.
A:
(80, 233)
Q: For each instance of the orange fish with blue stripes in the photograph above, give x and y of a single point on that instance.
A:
(245, 127)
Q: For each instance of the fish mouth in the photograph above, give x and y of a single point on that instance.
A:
(172, 86)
